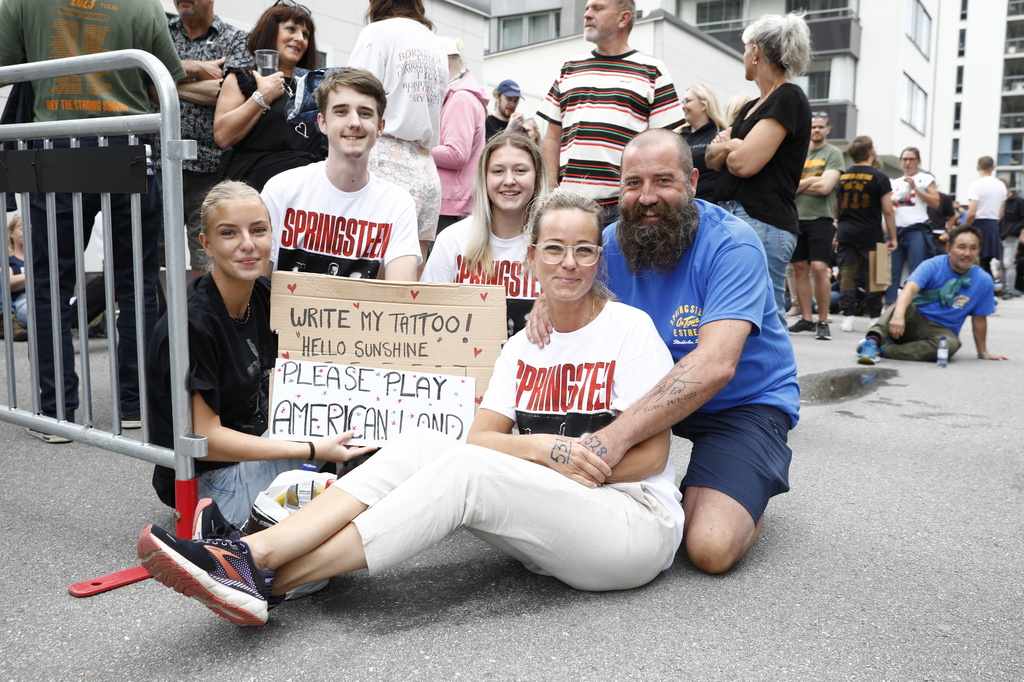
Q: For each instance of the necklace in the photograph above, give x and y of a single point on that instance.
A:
(593, 307)
(245, 319)
(777, 81)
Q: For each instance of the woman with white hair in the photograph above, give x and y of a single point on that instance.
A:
(761, 156)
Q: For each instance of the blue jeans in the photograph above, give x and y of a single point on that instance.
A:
(234, 488)
(124, 292)
(19, 306)
(778, 249)
(913, 246)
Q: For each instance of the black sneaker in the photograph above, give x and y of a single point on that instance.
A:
(220, 573)
(821, 332)
(802, 325)
(208, 522)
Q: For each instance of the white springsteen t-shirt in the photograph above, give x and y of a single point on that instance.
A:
(582, 380)
(521, 287)
(910, 208)
(318, 228)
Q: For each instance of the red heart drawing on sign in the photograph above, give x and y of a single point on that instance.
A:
(356, 306)
(286, 355)
(479, 400)
(477, 351)
(414, 294)
(292, 287)
(484, 296)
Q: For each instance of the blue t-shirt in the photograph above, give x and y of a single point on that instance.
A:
(722, 276)
(976, 300)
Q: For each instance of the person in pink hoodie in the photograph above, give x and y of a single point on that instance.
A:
(462, 137)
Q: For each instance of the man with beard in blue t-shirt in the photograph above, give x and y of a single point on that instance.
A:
(702, 276)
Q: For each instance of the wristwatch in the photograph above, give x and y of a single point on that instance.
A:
(258, 98)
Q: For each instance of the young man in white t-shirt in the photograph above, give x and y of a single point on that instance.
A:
(335, 217)
(986, 198)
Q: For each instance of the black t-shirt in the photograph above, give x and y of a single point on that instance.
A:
(940, 215)
(274, 144)
(493, 125)
(770, 195)
(859, 195)
(229, 365)
(699, 140)
(1013, 217)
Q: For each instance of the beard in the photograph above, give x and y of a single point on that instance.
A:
(656, 246)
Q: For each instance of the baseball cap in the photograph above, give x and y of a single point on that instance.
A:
(509, 88)
(451, 45)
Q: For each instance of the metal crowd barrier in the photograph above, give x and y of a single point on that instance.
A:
(24, 169)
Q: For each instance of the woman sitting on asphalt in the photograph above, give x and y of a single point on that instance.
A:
(488, 247)
(538, 494)
(231, 355)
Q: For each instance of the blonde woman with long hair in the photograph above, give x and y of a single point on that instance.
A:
(488, 247)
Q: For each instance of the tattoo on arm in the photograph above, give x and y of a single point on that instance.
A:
(669, 391)
(560, 451)
(594, 444)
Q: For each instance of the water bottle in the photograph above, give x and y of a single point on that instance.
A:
(942, 357)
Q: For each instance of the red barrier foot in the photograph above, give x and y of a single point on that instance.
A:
(109, 582)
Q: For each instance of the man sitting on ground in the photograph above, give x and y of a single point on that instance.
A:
(935, 300)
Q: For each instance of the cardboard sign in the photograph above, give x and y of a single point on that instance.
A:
(316, 399)
(451, 329)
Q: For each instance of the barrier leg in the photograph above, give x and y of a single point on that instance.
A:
(186, 496)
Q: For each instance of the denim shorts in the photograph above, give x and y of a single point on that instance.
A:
(741, 452)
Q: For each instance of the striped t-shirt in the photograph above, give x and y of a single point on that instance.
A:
(601, 103)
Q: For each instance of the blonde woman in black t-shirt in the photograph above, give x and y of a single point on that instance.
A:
(231, 355)
(761, 155)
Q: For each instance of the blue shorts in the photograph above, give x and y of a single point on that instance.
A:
(740, 451)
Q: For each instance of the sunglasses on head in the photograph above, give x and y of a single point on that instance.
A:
(819, 114)
(292, 3)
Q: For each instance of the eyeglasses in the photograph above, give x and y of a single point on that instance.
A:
(553, 253)
(292, 3)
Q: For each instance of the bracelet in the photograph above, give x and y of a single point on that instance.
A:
(312, 450)
(981, 356)
(258, 98)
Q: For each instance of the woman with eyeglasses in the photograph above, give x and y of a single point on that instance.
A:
(489, 246)
(399, 47)
(704, 121)
(761, 155)
(255, 114)
(535, 494)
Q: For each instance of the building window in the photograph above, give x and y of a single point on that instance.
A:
(955, 156)
(962, 45)
(963, 9)
(527, 29)
(915, 104)
(956, 116)
(820, 9)
(959, 79)
(817, 84)
(1011, 149)
(919, 27)
(952, 185)
(1014, 9)
(719, 12)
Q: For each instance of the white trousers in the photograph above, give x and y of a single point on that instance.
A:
(424, 485)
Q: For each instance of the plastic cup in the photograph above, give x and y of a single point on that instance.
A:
(266, 61)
